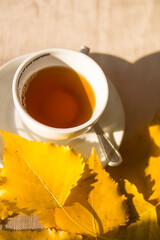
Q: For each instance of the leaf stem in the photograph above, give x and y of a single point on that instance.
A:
(59, 204)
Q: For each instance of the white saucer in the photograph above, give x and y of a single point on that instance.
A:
(112, 121)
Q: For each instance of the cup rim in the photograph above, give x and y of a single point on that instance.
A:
(47, 128)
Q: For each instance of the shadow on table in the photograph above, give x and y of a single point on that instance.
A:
(138, 85)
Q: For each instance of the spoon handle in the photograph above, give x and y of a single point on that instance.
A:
(111, 154)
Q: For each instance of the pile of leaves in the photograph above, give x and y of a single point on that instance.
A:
(75, 198)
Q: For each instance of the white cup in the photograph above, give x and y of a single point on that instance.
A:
(80, 63)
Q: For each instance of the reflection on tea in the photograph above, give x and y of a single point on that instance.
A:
(58, 97)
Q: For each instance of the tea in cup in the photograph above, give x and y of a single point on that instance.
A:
(59, 93)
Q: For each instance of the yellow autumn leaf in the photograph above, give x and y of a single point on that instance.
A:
(154, 133)
(146, 211)
(153, 170)
(38, 235)
(4, 207)
(38, 175)
(154, 129)
(143, 220)
(4, 210)
(94, 206)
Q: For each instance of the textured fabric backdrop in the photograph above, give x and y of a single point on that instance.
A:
(124, 37)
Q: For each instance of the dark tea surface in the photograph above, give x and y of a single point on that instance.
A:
(58, 97)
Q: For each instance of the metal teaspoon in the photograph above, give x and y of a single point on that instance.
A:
(111, 154)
